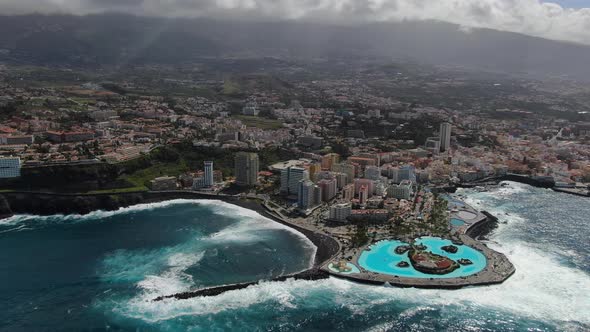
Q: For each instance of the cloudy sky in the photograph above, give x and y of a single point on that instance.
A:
(556, 19)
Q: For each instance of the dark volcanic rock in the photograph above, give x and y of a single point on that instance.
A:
(403, 264)
(5, 210)
(465, 261)
(313, 274)
(400, 250)
(450, 249)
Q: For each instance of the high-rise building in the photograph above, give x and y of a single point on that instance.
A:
(373, 173)
(406, 172)
(246, 168)
(347, 169)
(358, 183)
(341, 180)
(433, 144)
(363, 194)
(329, 160)
(348, 192)
(9, 168)
(445, 136)
(290, 178)
(329, 189)
(309, 195)
(339, 212)
(314, 169)
(208, 174)
(401, 191)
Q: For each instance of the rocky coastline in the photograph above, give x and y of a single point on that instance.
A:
(327, 247)
(43, 204)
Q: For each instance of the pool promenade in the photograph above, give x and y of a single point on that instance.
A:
(496, 271)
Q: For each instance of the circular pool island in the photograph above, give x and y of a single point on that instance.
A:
(428, 260)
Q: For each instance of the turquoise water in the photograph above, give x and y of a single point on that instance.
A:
(453, 201)
(457, 222)
(383, 259)
(353, 269)
(100, 272)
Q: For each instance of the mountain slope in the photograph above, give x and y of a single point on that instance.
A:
(119, 39)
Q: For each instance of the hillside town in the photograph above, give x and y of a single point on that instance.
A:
(359, 152)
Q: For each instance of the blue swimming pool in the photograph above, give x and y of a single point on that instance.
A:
(457, 222)
(453, 201)
(353, 268)
(383, 259)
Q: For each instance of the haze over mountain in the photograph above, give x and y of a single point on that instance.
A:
(118, 39)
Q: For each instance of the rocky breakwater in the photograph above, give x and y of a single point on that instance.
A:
(313, 274)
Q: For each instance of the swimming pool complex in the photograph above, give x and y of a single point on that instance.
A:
(381, 258)
(457, 222)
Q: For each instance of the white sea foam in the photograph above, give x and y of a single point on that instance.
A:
(282, 293)
(250, 221)
(99, 214)
(542, 288)
(534, 291)
(174, 279)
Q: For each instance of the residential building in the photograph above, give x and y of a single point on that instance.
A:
(370, 184)
(311, 142)
(329, 160)
(309, 195)
(362, 161)
(445, 136)
(345, 168)
(69, 136)
(373, 173)
(16, 140)
(340, 212)
(401, 191)
(9, 168)
(290, 178)
(341, 179)
(251, 109)
(329, 189)
(198, 183)
(208, 174)
(348, 192)
(433, 144)
(369, 216)
(246, 168)
(363, 194)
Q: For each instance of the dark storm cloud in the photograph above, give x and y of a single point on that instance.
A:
(532, 17)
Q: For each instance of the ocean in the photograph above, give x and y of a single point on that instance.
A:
(101, 271)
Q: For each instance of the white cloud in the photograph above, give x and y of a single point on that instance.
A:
(532, 17)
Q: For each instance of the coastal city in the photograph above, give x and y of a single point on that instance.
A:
(341, 161)
(281, 165)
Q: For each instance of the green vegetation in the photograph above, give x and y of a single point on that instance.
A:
(262, 123)
(142, 178)
(231, 88)
(438, 220)
(360, 236)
